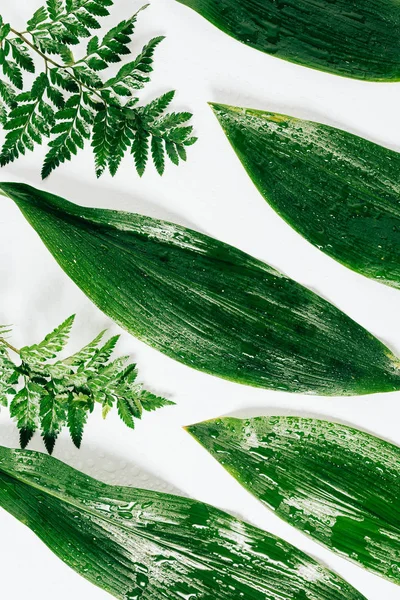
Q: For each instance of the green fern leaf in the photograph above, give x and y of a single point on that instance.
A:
(133, 73)
(158, 154)
(7, 93)
(153, 110)
(11, 70)
(25, 124)
(128, 410)
(70, 103)
(21, 55)
(140, 150)
(102, 355)
(182, 152)
(172, 152)
(122, 136)
(56, 97)
(80, 358)
(3, 114)
(97, 9)
(151, 402)
(55, 9)
(24, 408)
(78, 410)
(8, 372)
(74, 122)
(39, 17)
(53, 416)
(66, 55)
(52, 344)
(64, 392)
(64, 80)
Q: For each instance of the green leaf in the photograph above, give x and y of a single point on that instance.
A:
(158, 154)
(3, 114)
(24, 408)
(64, 392)
(21, 55)
(53, 415)
(156, 108)
(29, 119)
(78, 409)
(87, 353)
(361, 43)
(53, 30)
(207, 304)
(55, 9)
(8, 371)
(338, 190)
(140, 150)
(8, 93)
(337, 484)
(134, 73)
(112, 135)
(155, 545)
(152, 402)
(39, 17)
(52, 344)
(13, 72)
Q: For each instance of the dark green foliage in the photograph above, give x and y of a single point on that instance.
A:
(50, 395)
(70, 103)
(138, 544)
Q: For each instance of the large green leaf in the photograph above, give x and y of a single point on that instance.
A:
(340, 191)
(137, 544)
(353, 38)
(208, 304)
(337, 484)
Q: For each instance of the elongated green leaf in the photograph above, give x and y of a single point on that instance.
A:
(338, 484)
(339, 191)
(140, 544)
(208, 304)
(360, 40)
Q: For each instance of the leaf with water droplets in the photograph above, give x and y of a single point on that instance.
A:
(338, 190)
(207, 304)
(360, 40)
(142, 545)
(339, 485)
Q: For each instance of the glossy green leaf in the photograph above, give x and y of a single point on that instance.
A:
(360, 40)
(340, 191)
(138, 544)
(207, 304)
(337, 484)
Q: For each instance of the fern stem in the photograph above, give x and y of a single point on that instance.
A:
(9, 346)
(36, 49)
(49, 60)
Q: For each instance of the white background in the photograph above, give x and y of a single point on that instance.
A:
(213, 194)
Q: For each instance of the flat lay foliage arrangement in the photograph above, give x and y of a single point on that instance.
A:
(51, 394)
(336, 483)
(71, 100)
(354, 39)
(340, 191)
(136, 543)
(207, 304)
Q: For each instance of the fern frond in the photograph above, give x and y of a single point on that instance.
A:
(53, 416)
(59, 394)
(27, 122)
(70, 102)
(24, 408)
(52, 344)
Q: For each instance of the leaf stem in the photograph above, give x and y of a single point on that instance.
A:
(9, 346)
(36, 49)
(49, 60)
